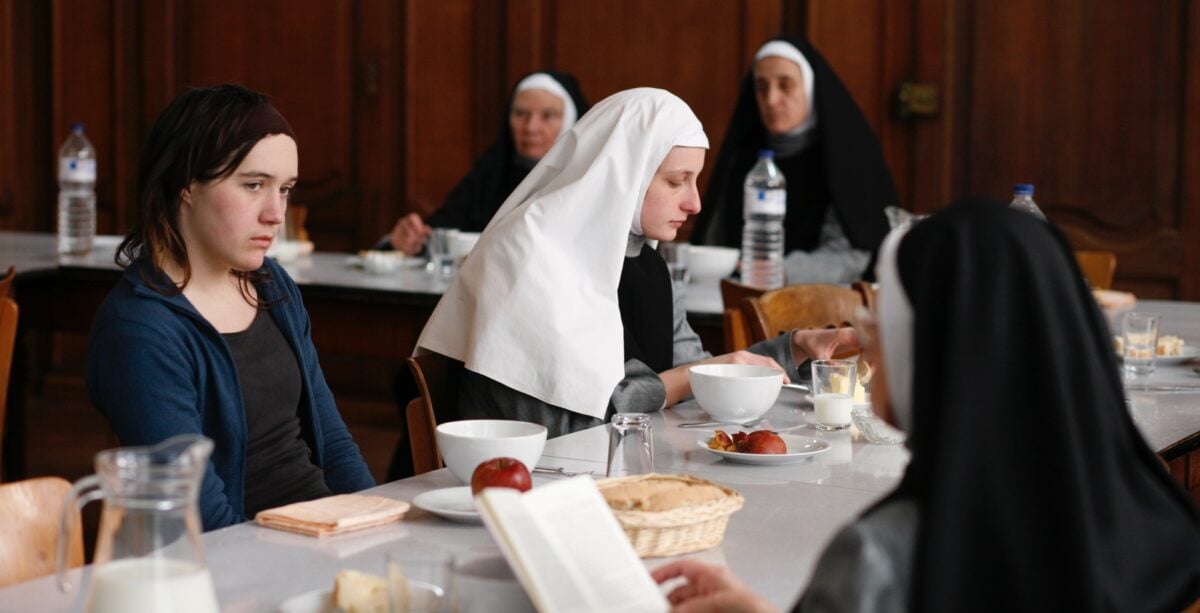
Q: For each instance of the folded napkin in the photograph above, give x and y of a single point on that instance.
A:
(334, 514)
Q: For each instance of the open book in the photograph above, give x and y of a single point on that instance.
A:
(567, 549)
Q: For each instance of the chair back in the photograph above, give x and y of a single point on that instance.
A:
(432, 372)
(737, 333)
(8, 342)
(867, 290)
(1098, 267)
(30, 511)
(800, 306)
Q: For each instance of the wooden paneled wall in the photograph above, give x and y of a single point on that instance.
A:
(1093, 102)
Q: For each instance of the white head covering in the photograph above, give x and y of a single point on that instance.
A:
(788, 51)
(535, 305)
(895, 318)
(545, 82)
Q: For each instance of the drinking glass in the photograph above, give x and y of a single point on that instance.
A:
(419, 580)
(675, 255)
(441, 256)
(833, 392)
(630, 445)
(1141, 342)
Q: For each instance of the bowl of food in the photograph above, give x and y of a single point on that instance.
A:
(710, 262)
(466, 444)
(735, 392)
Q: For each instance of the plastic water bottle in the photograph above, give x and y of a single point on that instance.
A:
(764, 204)
(76, 193)
(1023, 201)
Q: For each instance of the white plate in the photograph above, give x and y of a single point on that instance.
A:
(1187, 352)
(799, 448)
(400, 261)
(452, 503)
(321, 601)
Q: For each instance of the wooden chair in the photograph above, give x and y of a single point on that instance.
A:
(1098, 267)
(867, 290)
(432, 373)
(799, 306)
(8, 341)
(29, 512)
(737, 333)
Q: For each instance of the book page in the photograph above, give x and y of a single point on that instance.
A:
(571, 548)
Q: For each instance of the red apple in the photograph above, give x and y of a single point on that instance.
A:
(501, 472)
(765, 441)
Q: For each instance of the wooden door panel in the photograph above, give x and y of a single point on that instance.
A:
(301, 55)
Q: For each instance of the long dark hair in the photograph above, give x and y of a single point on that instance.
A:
(202, 136)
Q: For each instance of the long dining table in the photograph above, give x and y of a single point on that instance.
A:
(773, 543)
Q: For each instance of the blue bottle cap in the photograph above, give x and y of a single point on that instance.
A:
(78, 126)
(766, 153)
(1023, 189)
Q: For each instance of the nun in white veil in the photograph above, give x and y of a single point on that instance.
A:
(563, 314)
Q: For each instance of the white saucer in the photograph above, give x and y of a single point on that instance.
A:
(1188, 352)
(799, 447)
(452, 503)
(321, 601)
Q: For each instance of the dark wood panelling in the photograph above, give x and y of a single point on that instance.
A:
(26, 158)
(701, 56)
(439, 94)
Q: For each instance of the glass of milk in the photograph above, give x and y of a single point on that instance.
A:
(833, 393)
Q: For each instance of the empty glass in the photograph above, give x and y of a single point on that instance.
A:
(441, 255)
(1141, 342)
(630, 445)
(833, 392)
(676, 256)
(419, 580)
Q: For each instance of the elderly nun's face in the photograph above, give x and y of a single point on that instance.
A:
(536, 120)
(779, 89)
(673, 195)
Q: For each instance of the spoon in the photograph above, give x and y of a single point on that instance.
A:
(709, 424)
(561, 471)
(797, 386)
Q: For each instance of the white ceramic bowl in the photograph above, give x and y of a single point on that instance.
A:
(735, 392)
(468, 443)
(709, 262)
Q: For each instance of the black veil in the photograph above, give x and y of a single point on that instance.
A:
(857, 181)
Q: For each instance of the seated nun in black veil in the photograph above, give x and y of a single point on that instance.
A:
(838, 184)
(1029, 487)
(564, 313)
(542, 106)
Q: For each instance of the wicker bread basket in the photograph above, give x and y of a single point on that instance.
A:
(693, 527)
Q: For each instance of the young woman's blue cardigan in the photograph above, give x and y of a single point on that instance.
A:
(157, 368)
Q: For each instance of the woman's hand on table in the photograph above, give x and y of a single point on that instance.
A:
(822, 344)
(708, 588)
(408, 235)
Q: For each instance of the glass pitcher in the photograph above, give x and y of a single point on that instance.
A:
(148, 551)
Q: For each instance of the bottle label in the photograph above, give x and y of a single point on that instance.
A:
(764, 201)
(75, 169)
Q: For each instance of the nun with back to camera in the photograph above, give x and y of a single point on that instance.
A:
(838, 184)
(1029, 487)
(542, 107)
(569, 315)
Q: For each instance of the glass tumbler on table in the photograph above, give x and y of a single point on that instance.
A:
(833, 392)
(441, 257)
(1141, 342)
(630, 445)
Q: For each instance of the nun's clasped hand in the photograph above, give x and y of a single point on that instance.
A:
(708, 589)
(823, 344)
